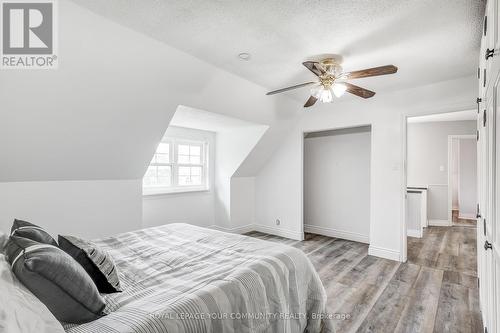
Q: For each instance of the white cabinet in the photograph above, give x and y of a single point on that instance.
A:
(416, 211)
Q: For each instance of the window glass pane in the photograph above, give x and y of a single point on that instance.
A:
(150, 176)
(196, 171)
(195, 160)
(189, 154)
(162, 158)
(164, 175)
(183, 149)
(184, 171)
(183, 159)
(195, 180)
(163, 148)
(195, 150)
(158, 176)
(189, 176)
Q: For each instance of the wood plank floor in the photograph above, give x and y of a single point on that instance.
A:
(462, 222)
(434, 291)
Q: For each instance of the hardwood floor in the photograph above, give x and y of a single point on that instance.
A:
(459, 221)
(434, 291)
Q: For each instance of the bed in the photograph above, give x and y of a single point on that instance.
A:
(182, 278)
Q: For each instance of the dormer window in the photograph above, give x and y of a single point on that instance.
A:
(178, 165)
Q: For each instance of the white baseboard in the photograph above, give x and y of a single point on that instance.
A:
(384, 253)
(439, 223)
(414, 233)
(236, 230)
(331, 232)
(277, 231)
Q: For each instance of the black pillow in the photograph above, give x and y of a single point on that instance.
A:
(98, 263)
(56, 279)
(31, 231)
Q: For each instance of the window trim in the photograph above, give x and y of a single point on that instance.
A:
(175, 188)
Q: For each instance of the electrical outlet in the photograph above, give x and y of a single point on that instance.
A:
(278, 222)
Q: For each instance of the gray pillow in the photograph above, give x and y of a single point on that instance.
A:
(56, 279)
(97, 262)
(31, 231)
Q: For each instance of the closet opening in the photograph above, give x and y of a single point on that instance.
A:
(337, 183)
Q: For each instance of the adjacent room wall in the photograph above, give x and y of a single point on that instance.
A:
(467, 181)
(337, 183)
(189, 207)
(428, 160)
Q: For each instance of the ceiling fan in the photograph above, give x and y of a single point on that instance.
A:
(333, 81)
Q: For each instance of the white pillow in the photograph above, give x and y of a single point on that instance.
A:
(20, 310)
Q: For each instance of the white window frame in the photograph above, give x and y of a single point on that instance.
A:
(173, 163)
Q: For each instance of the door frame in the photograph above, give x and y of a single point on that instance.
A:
(450, 192)
(404, 171)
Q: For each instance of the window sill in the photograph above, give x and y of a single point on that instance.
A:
(160, 192)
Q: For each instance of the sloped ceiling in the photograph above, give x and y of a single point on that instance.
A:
(101, 114)
(429, 40)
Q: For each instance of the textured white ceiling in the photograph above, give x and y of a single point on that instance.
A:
(429, 40)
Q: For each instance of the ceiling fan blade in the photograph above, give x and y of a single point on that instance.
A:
(376, 71)
(358, 91)
(314, 67)
(291, 88)
(310, 101)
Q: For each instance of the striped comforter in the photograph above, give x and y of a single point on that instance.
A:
(182, 278)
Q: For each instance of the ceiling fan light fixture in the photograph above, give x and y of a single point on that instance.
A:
(325, 95)
(339, 89)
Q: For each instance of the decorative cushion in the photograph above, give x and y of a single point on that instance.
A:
(31, 231)
(56, 279)
(98, 263)
(21, 311)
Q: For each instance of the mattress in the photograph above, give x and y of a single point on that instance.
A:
(182, 278)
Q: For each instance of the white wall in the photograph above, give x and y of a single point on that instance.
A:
(278, 185)
(100, 115)
(428, 149)
(233, 146)
(90, 209)
(189, 207)
(428, 160)
(467, 178)
(337, 183)
(242, 201)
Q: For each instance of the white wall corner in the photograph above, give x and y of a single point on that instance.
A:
(384, 253)
(331, 232)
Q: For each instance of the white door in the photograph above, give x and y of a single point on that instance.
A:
(489, 170)
(489, 201)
